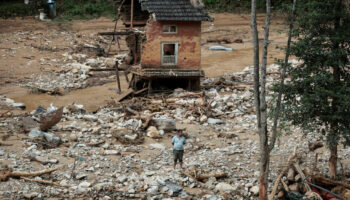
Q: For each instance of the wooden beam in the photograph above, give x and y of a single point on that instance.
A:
(118, 79)
(132, 15)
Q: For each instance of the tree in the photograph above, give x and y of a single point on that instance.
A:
(260, 94)
(260, 97)
(318, 96)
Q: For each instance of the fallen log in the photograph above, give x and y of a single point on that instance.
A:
(41, 181)
(290, 162)
(201, 177)
(8, 173)
(321, 180)
(303, 177)
(94, 144)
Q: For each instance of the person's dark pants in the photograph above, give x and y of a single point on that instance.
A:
(178, 154)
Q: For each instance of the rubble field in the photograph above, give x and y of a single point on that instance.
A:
(63, 135)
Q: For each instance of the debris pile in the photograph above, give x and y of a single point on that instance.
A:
(78, 73)
(123, 150)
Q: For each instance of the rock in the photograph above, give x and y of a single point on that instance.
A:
(19, 105)
(40, 110)
(51, 118)
(2, 152)
(81, 176)
(165, 124)
(255, 190)
(59, 91)
(131, 137)
(152, 132)
(28, 124)
(224, 187)
(112, 152)
(85, 184)
(73, 137)
(30, 195)
(153, 190)
(174, 189)
(64, 183)
(36, 134)
(157, 146)
(215, 121)
(91, 118)
(122, 179)
(51, 138)
(203, 119)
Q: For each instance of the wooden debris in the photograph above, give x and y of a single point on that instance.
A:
(4, 144)
(41, 181)
(94, 144)
(321, 180)
(290, 162)
(7, 173)
(315, 145)
(51, 119)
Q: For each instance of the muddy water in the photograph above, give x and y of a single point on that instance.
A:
(91, 98)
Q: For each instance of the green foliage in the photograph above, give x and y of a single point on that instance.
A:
(66, 9)
(17, 9)
(78, 9)
(239, 5)
(318, 96)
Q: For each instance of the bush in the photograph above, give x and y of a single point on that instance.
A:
(66, 9)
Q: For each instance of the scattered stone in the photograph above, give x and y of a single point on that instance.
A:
(165, 124)
(224, 187)
(152, 132)
(255, 190)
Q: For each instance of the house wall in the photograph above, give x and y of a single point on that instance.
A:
(188, 37)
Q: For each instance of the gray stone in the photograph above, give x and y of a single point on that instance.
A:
(215, 121)
(85, 184)
(80, 176)
(52, 138)
(255, 190)
(153, 190)
(36, 134)
(174, 189)
(224, 187)
(19, 105)
(165, 124)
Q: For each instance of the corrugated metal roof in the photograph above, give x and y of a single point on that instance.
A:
(174, 10)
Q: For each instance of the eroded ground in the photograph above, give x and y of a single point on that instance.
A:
(115, 155)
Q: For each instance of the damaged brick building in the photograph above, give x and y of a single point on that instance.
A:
(164, 38)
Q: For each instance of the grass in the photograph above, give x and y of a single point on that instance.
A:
(66, 9)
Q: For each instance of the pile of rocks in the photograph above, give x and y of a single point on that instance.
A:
(79, 72)
(97, 162)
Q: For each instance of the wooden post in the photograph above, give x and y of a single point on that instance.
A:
(149, 86)
(118, 79)
(132, 15)
(126, 76)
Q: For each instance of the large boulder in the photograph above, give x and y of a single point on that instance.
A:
(224, 187)
(165, 124)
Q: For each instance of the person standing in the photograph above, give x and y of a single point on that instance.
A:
(178, 142)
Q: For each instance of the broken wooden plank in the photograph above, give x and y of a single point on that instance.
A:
(126, 95)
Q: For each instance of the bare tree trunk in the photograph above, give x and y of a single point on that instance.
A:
(256, 63)
(260, 97)
(263, 134)
(333, 161)
(283, 75)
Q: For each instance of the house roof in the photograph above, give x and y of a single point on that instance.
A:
(174, 10)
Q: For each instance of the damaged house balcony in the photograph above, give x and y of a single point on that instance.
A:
(164, 41)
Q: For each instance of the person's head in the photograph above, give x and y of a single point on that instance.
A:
(179, 133)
